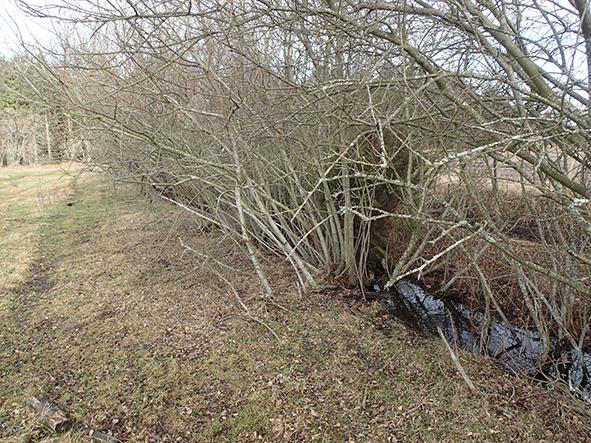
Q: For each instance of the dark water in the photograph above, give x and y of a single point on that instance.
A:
(519, 350)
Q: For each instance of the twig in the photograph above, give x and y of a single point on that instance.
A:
(457, 363)
(247, 311)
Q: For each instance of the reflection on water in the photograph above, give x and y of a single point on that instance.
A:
(520, 350)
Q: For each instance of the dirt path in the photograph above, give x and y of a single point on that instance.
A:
(102, 311)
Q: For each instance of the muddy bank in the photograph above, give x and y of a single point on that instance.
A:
(522, 351)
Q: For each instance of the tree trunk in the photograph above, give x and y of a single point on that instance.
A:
(47, 136)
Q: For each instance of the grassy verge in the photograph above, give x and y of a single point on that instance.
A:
(106, 315)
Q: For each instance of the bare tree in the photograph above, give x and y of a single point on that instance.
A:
(436, 139)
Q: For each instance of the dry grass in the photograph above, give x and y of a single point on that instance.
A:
(131, 335)
(25, 197)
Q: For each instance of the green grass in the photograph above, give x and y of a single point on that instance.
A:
(138, 338)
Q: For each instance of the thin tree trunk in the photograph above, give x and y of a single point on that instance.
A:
(585, 16)
(47, 136)
(252, 252)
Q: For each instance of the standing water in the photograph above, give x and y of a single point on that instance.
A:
(520, 350)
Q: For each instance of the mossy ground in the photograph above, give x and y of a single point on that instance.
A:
(103, 310)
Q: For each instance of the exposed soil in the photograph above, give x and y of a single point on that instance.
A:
(39, 281)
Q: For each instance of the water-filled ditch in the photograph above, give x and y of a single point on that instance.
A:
(517, 349)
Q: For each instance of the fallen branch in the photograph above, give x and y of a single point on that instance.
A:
(56, 419)
(457, 363)
(49, 413)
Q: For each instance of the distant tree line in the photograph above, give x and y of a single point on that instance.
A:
(35, 126)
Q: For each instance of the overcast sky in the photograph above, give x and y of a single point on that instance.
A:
(32, 30)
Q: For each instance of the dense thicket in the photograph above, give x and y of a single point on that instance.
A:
(438, 139)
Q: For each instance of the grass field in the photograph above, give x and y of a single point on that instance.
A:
(103, 311)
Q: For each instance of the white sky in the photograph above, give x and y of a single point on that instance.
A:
(33, 31)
